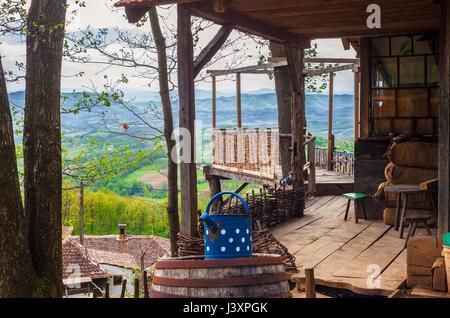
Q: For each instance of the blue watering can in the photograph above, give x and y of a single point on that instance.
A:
(227, 236)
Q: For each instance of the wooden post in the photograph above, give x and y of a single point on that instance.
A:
(136, 288)
(444, 123)
(214, 98)
(124, 288)
(146, 294)
(312, 167)
(238, 100)
(186, 92)
(214, 188)
(365, 88)
(330, 124)
(284, 99)
(310, 285)
(107, 290)
(81, 213)
(294, 57)
(356, 105)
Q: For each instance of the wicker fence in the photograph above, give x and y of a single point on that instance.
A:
(343, 161)
(254, 150)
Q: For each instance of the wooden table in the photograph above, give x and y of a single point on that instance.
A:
(406, 190)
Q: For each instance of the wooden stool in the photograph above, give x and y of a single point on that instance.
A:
(413, 220)
(356, 198)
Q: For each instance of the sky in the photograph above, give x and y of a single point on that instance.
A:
(100, 14)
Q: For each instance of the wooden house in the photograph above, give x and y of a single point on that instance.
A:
(403, 47)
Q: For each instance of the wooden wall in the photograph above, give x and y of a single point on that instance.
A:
(369, 171)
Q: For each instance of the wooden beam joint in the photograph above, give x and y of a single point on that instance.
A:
(220, 6)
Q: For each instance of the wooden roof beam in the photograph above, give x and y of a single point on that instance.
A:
(149, 3)
(269, 68)
(135, 10)
(345, 43)
(317, 60)
(212, 48)
(248, 25)
(220, 5)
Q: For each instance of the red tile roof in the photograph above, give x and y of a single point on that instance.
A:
(75, 258)
(106, 249)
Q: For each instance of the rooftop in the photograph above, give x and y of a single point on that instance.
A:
(75, 258)
(135, 251)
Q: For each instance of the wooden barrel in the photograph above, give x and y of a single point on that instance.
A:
(259, 276)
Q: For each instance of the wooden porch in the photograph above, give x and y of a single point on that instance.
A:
(345, 254)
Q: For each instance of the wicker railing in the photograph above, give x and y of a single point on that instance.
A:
(254, 150)
(342, 160)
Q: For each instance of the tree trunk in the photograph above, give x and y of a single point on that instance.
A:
(16, 270)
(172, 173)
(42, 143)
(284, 94)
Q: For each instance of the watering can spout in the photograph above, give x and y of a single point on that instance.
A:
(209, 222)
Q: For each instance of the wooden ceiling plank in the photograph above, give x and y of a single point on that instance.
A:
(244, 6)
(245, 24)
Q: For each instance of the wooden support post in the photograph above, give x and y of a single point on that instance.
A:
(146, 293)
(356, 105)
(284, 99)
(214, 188)
(124, 288)
(214, 100)
(186, 92)
(365, 89)
(312, 167)
(107, 290)
(444, 123)
(238, 100)
(294, 58)
(330, 124)
(310, 285)
(81, 213)
(136, 288)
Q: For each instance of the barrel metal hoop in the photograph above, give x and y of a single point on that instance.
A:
(158, 294)
(218, 263)
(222, 282)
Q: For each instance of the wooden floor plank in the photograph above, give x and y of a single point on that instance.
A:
(381, 254)
(342, 251)
(281, 230)
(310, 201)
(323, 200)
(315, 252)
(324, 176)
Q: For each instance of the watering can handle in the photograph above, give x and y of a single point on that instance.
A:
(218, 195)
(205, 216)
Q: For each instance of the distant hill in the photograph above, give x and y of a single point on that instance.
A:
(258, 110)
